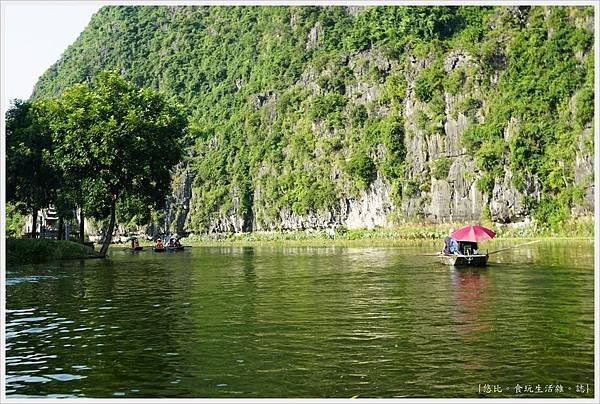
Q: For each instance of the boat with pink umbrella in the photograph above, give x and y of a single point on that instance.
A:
(467, 252)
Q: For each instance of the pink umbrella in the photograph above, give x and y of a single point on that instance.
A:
(474, 233)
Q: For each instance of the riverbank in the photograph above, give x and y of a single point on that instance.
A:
(405, 234)
(30, 251)
(401, 235)
(374, 242)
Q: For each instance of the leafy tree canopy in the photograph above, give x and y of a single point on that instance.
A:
(120, 141)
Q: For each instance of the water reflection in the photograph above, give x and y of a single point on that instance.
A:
(248, 265)
(471, 294)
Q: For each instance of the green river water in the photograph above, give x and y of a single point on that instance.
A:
(304, 322)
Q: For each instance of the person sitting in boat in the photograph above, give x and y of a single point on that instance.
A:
(159, 244)
(450, 244)
(133, 241)
(177, 243)
(171, 242)
(467, 248)
(136, 243)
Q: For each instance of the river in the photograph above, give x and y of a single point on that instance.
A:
(304, 322)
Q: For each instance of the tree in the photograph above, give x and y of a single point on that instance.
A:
(14, 221)
(30, 176)
(118, 142)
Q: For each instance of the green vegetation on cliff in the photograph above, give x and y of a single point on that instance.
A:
(549, 64)
(293, 108)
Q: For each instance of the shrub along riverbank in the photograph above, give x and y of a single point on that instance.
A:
(29, 251)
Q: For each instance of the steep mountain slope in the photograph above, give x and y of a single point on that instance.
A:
(307, 117)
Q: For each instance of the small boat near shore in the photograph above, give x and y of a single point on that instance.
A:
(461, 249)
(175, 248)
(156, 249)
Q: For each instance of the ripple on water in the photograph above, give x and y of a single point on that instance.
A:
(20, 312)
(28, 319)
(64, 377)
(12, 379)
(10, 281)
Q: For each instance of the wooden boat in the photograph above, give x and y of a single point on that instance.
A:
(175, 248)
(476, 260)
(158, 249)
(138, 248)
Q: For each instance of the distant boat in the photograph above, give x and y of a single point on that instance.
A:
(155, 249)
(174, 245)
(134, 241)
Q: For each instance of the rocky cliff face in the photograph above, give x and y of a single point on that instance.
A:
(584, 171)
(370, 209)
(452, 198)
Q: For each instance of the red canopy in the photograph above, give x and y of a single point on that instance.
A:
(474, 233)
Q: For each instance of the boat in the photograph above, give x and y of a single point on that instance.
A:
(174, 244)
(158, 249)
(135, 246)
(475, 260)
(466, 253)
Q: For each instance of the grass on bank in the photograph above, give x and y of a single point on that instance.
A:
(32, 251)
(402, 234)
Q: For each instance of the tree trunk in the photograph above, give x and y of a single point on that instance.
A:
(81, 222)
(34, 221)
(111, 227)
(61, 228)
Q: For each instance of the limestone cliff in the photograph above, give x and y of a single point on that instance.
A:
(315, 117)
